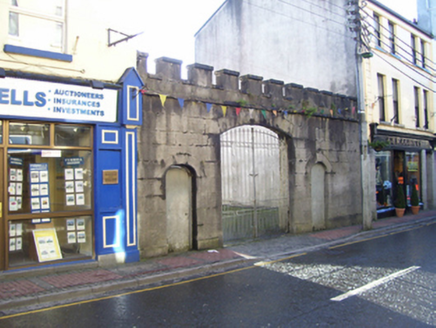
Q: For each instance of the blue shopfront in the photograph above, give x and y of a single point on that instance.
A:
(68, 156)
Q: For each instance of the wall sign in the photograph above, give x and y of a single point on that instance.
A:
(110, 177)
(47, 100)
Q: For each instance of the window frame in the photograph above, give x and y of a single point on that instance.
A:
(381, 98)
(377, 29)
(392, 38)
(396, 101)
(59, 19)
(416, 93)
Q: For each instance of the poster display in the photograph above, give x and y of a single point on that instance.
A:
(74, 192)
(47, 245)
(76, 231)
(15, 188)
(39, 188)
(15, 237)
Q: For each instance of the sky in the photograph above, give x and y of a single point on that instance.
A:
(169, 26)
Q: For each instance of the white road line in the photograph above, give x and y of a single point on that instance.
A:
(373, 284)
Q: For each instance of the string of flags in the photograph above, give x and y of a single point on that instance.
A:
(224, 108)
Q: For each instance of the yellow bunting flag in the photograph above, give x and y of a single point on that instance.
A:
(163, 98)
(224, 108)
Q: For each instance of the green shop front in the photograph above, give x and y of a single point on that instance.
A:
(68, 168)
(401, 159)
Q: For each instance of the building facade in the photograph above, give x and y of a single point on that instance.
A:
(315, 43)
(69, 108)
(398, 91)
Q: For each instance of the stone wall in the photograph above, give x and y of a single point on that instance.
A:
(182, 123)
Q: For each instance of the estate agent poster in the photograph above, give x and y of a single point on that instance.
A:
(39, 189)
(47, 245)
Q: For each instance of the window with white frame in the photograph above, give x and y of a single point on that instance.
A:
(381, 97)
(392, 46)
(425, 105)
(377, 31)
(423, 63)
(395, 104)
(414, 50)
(417, 116)
(38, 24)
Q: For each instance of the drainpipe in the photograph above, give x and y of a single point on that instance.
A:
(365, 161)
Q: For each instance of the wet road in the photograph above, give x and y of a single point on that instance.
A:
(384, 282)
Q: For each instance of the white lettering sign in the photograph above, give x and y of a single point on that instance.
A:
(46, 100)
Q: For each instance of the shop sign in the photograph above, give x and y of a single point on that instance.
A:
(73, 161)
(408, 142)
(56, 101)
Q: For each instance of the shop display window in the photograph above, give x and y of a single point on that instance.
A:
(72, 135)
(42, 181)
(29, 134)
(49, 239)
(384, 185)
(413, 168)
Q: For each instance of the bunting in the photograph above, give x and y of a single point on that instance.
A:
(251, 110)
(264, 113)
(208, 106)
(224, 108)
(353, 110)
(238, 110)
(275, 112)
(163, 98)
(181, 102)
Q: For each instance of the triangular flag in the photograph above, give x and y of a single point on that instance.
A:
(224, 108)
(238, 110)
(163, 98)
(286, 112)
(264, 113)
(251, 110)
(208, 106)
(275, 112)
(340, 111)
(353, 110)
(181, 102)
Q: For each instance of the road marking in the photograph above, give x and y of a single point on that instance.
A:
(373, 284)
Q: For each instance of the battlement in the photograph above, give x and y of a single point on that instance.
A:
(247, 91)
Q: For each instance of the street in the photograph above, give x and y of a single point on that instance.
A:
(383, 282)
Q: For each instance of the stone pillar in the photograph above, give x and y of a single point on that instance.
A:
(424, 177)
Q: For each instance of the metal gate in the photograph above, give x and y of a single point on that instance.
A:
(250, 179)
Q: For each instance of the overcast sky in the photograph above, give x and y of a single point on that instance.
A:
(169, 25)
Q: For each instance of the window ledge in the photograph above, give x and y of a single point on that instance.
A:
(37, 53)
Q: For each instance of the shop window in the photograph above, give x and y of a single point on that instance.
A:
(73, 135)
(37, 24)
(42, 181)
(42, 240)
(29, 134)
(413, 173)
(383, 179)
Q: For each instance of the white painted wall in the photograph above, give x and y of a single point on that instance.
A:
(399, 68)
(305, 42)
(86, 39)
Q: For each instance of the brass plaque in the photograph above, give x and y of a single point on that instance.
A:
(110, 176)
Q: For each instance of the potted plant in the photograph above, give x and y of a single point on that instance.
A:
(414, 200)
(400, 201)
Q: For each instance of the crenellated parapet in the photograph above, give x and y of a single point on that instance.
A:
(247, 91)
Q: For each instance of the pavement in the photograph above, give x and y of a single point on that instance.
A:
(36, 288)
